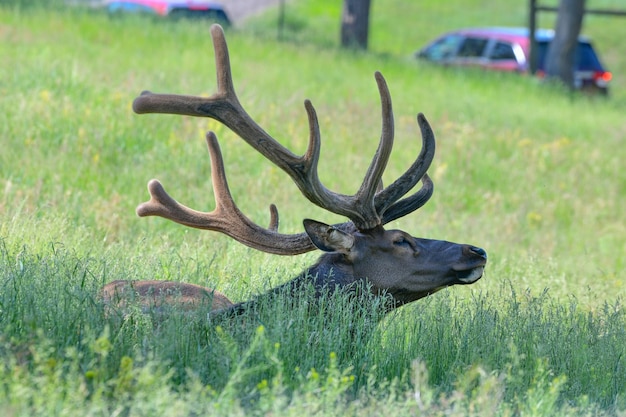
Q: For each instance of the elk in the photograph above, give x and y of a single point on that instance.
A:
(360, 250)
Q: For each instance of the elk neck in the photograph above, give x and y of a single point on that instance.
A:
(330, 273)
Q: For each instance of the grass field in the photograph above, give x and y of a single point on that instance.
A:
(530, 173)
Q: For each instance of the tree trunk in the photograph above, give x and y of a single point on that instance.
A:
(355, 18)
(560, 56)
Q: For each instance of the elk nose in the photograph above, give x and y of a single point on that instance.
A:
(478, 251)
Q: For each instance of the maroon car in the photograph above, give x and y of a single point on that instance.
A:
(508, 49)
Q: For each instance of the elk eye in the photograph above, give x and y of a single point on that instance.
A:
(402, 241)
(407, 244)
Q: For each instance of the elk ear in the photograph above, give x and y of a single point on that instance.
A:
(328, 238)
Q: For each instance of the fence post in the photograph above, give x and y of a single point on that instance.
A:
(532, 27)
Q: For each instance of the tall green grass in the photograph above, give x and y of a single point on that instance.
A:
(531, 174)
(517, 352)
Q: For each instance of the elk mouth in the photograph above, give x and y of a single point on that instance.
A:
(472, 270)
(470, 276)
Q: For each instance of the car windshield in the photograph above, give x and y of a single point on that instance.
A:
(585, 57)
(443, 48)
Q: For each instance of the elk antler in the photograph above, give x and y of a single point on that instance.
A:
(367, 208)
(226, 218)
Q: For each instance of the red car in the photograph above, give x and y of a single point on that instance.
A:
(508, 49)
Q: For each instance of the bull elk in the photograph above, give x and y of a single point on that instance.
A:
(360, 250)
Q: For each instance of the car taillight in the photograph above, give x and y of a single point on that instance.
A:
(604, 76)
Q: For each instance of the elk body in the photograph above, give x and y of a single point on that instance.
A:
(361, 250)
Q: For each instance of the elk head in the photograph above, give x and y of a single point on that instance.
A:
(391, 261)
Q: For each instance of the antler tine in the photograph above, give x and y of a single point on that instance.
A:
(224, 74)
(410, 204)
(222, 106)
(274, 220)
(373, 178)
(226, 218)
(387, 198)
(354, 207)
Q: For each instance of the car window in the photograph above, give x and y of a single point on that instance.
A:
(442, 48)
(502, 51)
(542, 50)
(585, 57)
(472, 47)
